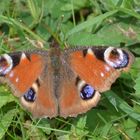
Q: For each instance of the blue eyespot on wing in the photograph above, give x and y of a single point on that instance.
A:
(30, 95)
(87, 92)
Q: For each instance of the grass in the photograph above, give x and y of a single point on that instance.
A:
(31, 24)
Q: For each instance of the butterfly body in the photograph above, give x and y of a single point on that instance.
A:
(68, 83)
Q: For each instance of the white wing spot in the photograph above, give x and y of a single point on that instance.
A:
(10, 63)
(107, 68)
(120, 54)
(106, 56)
(90, 51)
(102, 74)
(11, 74)
(35, 87)
(23, 56)
(81, 84)
(17, 80)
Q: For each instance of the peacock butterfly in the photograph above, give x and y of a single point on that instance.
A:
(55, 83)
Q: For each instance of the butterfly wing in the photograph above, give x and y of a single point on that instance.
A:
(88, 72)
(100, 66)
(50, 84)
(29, 74)
(76, 96)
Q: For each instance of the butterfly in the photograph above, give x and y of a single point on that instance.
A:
(62, 83)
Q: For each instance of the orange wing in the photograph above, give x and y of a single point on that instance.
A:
(86, 71)
(30, 75)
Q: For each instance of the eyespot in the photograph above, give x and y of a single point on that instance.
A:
(116, 58)
(6, 64)
(87, 92)
(123, 62)
(30, 95)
